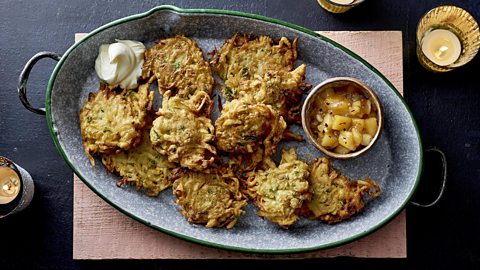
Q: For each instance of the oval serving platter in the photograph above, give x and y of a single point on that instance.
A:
(394, 162)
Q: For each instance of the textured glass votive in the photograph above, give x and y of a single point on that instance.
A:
(338, 6)
(447, 37)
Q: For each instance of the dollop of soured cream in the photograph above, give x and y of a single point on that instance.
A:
(120, 63)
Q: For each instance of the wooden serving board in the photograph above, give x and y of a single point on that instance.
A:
(102, 232)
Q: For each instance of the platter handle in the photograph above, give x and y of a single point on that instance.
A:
(23, 79)
(443, 160)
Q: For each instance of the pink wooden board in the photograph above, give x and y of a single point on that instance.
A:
(102, 232)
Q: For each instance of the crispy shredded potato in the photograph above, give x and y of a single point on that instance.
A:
(242, 57)
(280, 89)
(259, 69)
(335, 197)
(183, 132)
(111, 122)
(280, 192)
(211, 198)
(246, 128)
(142, 167)
(177, 64)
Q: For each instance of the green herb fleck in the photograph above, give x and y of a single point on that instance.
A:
(228, 92)
(249, 138)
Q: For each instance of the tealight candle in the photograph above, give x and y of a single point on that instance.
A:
(442, 47)
(9, 185)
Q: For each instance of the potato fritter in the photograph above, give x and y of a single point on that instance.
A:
(242, 57)
(142, 167)
(260, 69)
(280, 89)
(335, 197)
(178, 65)
(280, 192)
(111, 122)
(243, 127)
(211, 198)
(184, 132)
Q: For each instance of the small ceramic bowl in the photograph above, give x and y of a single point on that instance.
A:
(340, 82)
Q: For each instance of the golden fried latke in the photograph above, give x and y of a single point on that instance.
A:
(143, 167)
(280, 191)
(178, 65)
(184, 132)
(242, 57)
(243, 127)
(263, 70)
(335, 197)
(211, 198)
(280, 89)
(111, 122)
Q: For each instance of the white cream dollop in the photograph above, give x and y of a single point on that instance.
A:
(120, 63)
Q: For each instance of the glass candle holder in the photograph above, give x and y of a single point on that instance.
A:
(447, 37)
(338, 6)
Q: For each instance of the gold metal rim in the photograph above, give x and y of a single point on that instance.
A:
(334, 7)
(354, 3)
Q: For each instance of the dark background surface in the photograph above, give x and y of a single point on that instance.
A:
(444, 105)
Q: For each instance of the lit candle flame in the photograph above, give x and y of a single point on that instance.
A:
(9, 188)
(441, 52)
(10, 185)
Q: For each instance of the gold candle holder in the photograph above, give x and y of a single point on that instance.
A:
(338, 6)
(447, 37)
(16, 187)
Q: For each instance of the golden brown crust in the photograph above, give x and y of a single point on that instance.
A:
(335, 197)
(262, 70)
(243, 56)
(212, 198)
(177, 64)
(111, 122)
(246, 128)
(249, 132)
(142, 167)
(184, 132)
(280, 89)
(280, 192)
